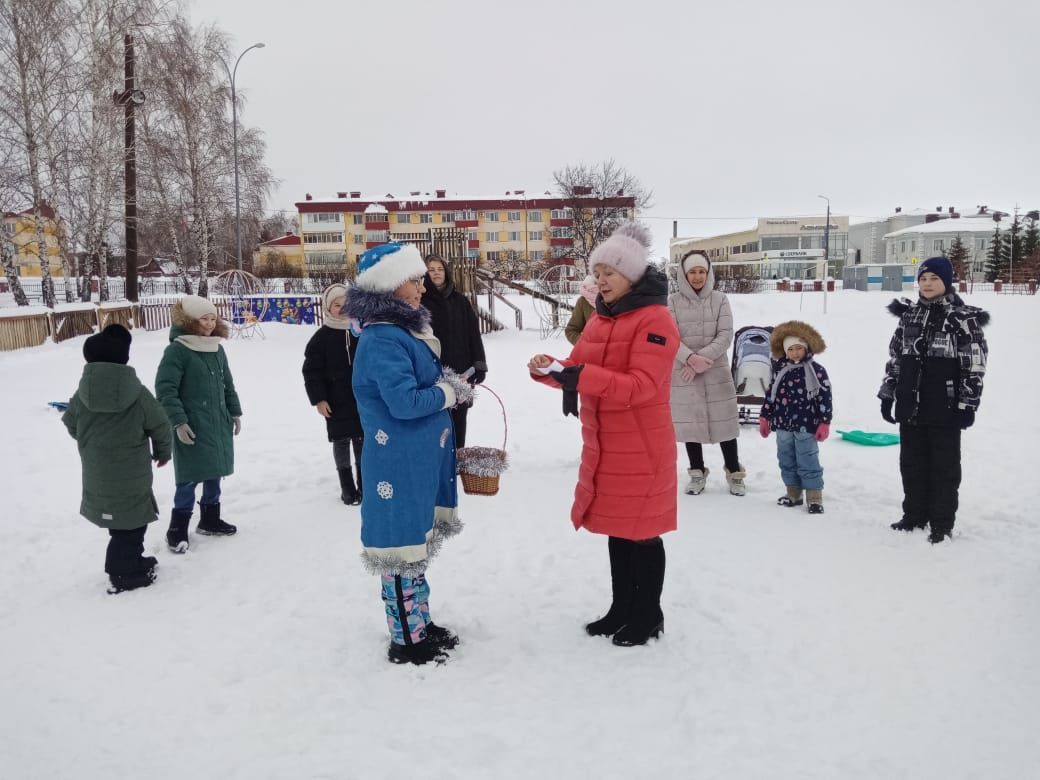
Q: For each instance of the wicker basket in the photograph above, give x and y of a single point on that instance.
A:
(481, 467)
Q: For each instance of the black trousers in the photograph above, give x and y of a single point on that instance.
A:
(729, 455)
(123, 556)
(341, 453)
(458, 419)
(930, 465)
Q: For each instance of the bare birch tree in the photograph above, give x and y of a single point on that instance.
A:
(600, 198)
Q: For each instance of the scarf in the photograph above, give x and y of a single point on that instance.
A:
(812, 382)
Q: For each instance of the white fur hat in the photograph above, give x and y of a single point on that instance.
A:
(384, 268)
(790, 341)
(197, 307)
(627, 250)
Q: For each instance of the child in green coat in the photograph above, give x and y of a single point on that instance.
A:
(120, 430)
(195, 387)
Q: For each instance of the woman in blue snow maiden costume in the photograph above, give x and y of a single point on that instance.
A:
(404, 395)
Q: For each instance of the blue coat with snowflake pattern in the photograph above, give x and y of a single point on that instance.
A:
(408, 459)
(791, 409)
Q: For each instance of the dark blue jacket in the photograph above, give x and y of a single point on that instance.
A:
(789, 408)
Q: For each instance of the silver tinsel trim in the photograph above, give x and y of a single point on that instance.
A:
(444, 528)
(463, 389)
(482, 461)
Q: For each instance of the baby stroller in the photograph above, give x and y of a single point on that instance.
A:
(752, 371)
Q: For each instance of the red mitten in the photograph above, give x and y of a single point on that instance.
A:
(823, 430)
(763, 427)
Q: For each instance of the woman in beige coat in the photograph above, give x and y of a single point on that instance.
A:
(704, 400)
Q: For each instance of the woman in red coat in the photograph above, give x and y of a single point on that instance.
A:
(621, 369)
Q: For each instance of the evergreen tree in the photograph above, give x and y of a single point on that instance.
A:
(996, 257)
(1015, 253)
(957, 254)
(1031, 246)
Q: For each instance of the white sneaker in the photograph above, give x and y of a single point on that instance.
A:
(698, 479)
(736, 482)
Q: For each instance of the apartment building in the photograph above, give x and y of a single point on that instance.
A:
(19, 228)
(333, 232)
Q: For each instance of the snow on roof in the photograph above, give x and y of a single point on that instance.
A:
(432, 197)
(962, 225)
(376, 208)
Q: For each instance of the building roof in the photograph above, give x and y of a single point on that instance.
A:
(289, 239)
(961, 225)
(45, 209)
(441, 200)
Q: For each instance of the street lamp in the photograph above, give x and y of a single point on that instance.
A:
(826, 249)
(234, 133)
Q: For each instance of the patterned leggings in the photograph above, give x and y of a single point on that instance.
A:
(407, 603)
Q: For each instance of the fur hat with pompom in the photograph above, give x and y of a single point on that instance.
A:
(384, 268)
(627, 251)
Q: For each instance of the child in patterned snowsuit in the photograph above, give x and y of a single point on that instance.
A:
(799, 409)
(934, 380)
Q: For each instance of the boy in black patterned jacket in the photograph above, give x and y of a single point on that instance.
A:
(937, 360)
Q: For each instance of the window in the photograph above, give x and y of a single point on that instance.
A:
(562, 232)
(359, 219)
(494, 257)
(323, 238)
(491, 216)
(467, 214)
(535, 235)
(491, 236)
(474, 254)
(624, 213)
(513, 236)
(980, 243)
(359, 238)
(322, 218)
(913, 246)
(902, 246)
(514, 216)
(404, 219)
(325, 259)
(938, 245)
(447, 216)
(377, 236)
(473, 235)
(425, 218)
(561, 214)
(534, 216)
(537, 255)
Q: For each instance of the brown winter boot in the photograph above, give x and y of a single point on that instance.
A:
(815, 499)
(793, 497)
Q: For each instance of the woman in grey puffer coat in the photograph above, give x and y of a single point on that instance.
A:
(704, 400)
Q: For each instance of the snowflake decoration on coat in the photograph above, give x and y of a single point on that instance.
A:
(381, 436)
(444, 437)
(385, 490)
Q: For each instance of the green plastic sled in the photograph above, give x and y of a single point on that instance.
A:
(870, 439)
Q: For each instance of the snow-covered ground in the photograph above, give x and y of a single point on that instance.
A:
(796, 646)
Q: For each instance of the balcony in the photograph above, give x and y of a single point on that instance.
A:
(561, 242)
(561, 222)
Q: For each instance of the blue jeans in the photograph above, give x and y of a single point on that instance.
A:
(799, 456)
(184, 495)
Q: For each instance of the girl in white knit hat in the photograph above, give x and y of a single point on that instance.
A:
(195, 387)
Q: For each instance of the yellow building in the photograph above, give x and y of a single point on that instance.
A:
(284, 249)
(336, 231)
(20, 230)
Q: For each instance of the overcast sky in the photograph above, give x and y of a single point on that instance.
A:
(723, 109)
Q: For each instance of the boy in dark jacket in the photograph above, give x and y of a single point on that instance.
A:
(328, 371)
(799, 409)
(120, 429)
(937, 360)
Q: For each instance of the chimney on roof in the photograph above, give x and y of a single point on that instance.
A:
(308, 196)
(621, 192)
(899, 209)
(355, 194)
(341, 194)
(441, 193)
(288, 232)
(518, 192)
(939, 209)
(413, 194)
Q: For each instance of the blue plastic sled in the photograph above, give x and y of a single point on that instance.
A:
(61, 406)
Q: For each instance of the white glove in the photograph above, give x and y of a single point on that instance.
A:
(185, 434)
(449, 394)
(237, 421)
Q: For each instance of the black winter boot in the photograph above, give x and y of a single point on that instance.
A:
(177, 536)
(907, 524)
(348, 492)
(647, 619)
(441, 637)
(621, 586)
(122, 582)
(420, 653)
(210, 523)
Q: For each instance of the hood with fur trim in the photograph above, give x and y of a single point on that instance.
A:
(899, 306)
(802, 330)
(368, 307)
(184, 325)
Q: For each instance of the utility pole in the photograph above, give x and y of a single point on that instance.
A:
(129, 99)
(826, 249)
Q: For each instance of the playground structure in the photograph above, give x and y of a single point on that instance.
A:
(246, 301)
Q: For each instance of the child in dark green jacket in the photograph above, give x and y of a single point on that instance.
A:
(195, 387)
(120, 429)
